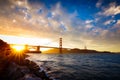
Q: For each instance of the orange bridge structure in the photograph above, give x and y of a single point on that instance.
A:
(39, 46)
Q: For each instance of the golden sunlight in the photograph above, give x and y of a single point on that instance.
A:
(44, 49)
(24, 40)
(18, 48)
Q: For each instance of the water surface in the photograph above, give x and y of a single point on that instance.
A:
(80, 66)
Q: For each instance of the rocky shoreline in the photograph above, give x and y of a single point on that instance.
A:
(15, 66)
(26, 70)
(29, 70)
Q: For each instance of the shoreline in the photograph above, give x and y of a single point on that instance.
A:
(22, 70)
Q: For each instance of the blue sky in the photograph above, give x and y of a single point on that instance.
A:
(91, 23)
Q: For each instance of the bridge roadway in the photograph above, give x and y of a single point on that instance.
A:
(38, 47)
(34, 46)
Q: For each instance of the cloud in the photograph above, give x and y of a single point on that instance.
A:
(99, 3)
(109, 22)
(116, 27)
(111, 10)
(88, 26)
(118, 22)
(88, 21)
(26, 19)
(36, 20)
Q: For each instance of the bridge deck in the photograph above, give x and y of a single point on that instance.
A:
(38, 46)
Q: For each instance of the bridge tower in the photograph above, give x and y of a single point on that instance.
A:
(26, 48)
(60, 45)
(38, 48)
(85, 47)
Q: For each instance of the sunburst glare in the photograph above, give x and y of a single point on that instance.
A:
(18, 52)
(18, 48)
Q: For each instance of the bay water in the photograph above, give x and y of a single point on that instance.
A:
(81, 66)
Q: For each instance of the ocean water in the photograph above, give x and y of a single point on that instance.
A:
(80, 66)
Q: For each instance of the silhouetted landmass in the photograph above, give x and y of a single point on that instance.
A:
(75, 50)
(33, 52)
(15, 66)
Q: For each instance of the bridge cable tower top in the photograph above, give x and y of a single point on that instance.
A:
(60, 45)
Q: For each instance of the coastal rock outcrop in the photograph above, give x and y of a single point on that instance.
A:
(30, 77)
(29, 71)
(14, 67)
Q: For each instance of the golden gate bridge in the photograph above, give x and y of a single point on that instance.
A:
(40, 46)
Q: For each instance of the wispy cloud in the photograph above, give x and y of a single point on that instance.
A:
(109, 22)
(99, 3)
(111, 10)
(88, 21)
(23, 18)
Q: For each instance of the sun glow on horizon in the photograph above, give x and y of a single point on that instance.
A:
(44, 49)
(18, 48)
(24, 40)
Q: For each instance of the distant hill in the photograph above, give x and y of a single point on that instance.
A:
(75, 50)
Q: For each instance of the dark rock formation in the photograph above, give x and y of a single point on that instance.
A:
(14, 67)
(29, 77)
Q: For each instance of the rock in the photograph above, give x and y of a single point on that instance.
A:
(48, 68)
(38, 71)
(26, 62)
(33, 66)
(51, 78)
(24, 69)
(30, 77)
(3, 70)
(42, 74)
(15, 71)
(29, 70)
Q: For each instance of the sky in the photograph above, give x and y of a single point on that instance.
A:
(91, 23)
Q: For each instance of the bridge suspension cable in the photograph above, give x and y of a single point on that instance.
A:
(51, 42)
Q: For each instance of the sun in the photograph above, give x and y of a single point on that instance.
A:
(18, 48)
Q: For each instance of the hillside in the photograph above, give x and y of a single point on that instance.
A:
(75, 50)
